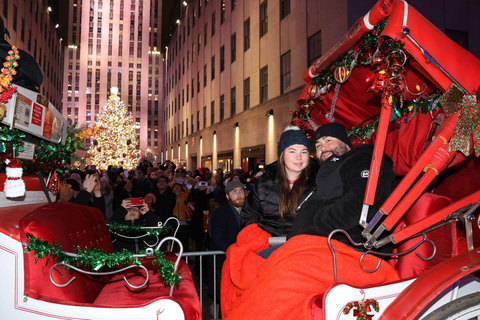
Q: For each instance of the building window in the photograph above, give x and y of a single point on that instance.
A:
(233, 50)
(193, 126)
(285, 72)
(198, 81)
(14, 24)
(264, 84)
(314, 49)
(193, 88)
(193, 52)
(204, 117)
(198, 120)
(213, 68)
(222, 11)
(213, 23)
(284, 8)
(205, 33)
(233, 101)
(246, 35)
(263, 18)
(246, 94)
(212, 114)
(204, 76)
(234, 4)
(222, 58)
(22, 32)
(194, 15)
(222, 107)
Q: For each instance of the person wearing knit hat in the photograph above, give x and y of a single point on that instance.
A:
(290, 136)
(341, 182)
(286, 182)
(331, 139)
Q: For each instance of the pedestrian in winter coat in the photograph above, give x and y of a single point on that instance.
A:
(283, 186)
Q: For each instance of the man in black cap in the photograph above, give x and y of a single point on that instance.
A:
(224, 226)
(341, 182)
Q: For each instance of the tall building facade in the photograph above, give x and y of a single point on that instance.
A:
(32, 28)
(233, 71)
(114, 43)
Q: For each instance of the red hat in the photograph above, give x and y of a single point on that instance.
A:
(153, 196)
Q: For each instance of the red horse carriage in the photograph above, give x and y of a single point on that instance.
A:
(399, 83)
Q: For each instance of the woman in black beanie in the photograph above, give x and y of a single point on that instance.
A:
(283, 186)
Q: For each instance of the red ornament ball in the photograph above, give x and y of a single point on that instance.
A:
(341, 74)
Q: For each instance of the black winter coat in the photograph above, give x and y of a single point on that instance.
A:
(149, 219)
(338, 200)
(262, 203)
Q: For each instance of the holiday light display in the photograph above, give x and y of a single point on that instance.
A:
(115, 141)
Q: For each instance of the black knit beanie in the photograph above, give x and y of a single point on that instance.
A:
(335, 130)
(290, 136)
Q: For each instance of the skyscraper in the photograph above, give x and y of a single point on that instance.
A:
(32, 26)
(114, 43)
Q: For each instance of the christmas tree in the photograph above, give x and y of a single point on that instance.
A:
(115, 141)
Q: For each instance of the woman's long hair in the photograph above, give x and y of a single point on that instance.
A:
(289, 199)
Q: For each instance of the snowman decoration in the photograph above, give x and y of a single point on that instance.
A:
(14, 185)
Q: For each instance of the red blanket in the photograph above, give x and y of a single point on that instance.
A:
(281, 286)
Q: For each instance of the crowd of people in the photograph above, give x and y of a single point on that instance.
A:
(149, 195)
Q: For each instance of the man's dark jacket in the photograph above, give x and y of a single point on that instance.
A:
(165, 204)
(224, 227)
(201, 199)
(262, 202)
(149, 219)
(338, 200)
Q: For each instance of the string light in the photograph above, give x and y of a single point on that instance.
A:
(116, 140)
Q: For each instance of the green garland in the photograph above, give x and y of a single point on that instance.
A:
(11, 140)
(369, 43)
(94, 259)
(115, 227)
(422, 106)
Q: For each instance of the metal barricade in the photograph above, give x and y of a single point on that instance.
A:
(200, 255)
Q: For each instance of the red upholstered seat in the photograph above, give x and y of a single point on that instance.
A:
(72, 226)
(75, 226)
(411, 265)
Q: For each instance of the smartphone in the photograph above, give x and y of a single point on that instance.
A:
(136, 202)
(125, 173)
(203, 183)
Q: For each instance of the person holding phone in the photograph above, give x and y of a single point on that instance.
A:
(136, 215)
(285, 184)
(200, 195)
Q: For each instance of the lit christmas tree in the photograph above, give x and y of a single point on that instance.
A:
(115, 141)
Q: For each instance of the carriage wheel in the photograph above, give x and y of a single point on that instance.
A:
(464, 308)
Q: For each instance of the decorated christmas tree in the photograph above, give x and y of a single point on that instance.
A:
(115, 141)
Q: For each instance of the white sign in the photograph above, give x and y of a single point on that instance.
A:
(28, 151)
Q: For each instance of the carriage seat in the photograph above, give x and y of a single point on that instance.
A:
(410, 265)
(76, 226)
